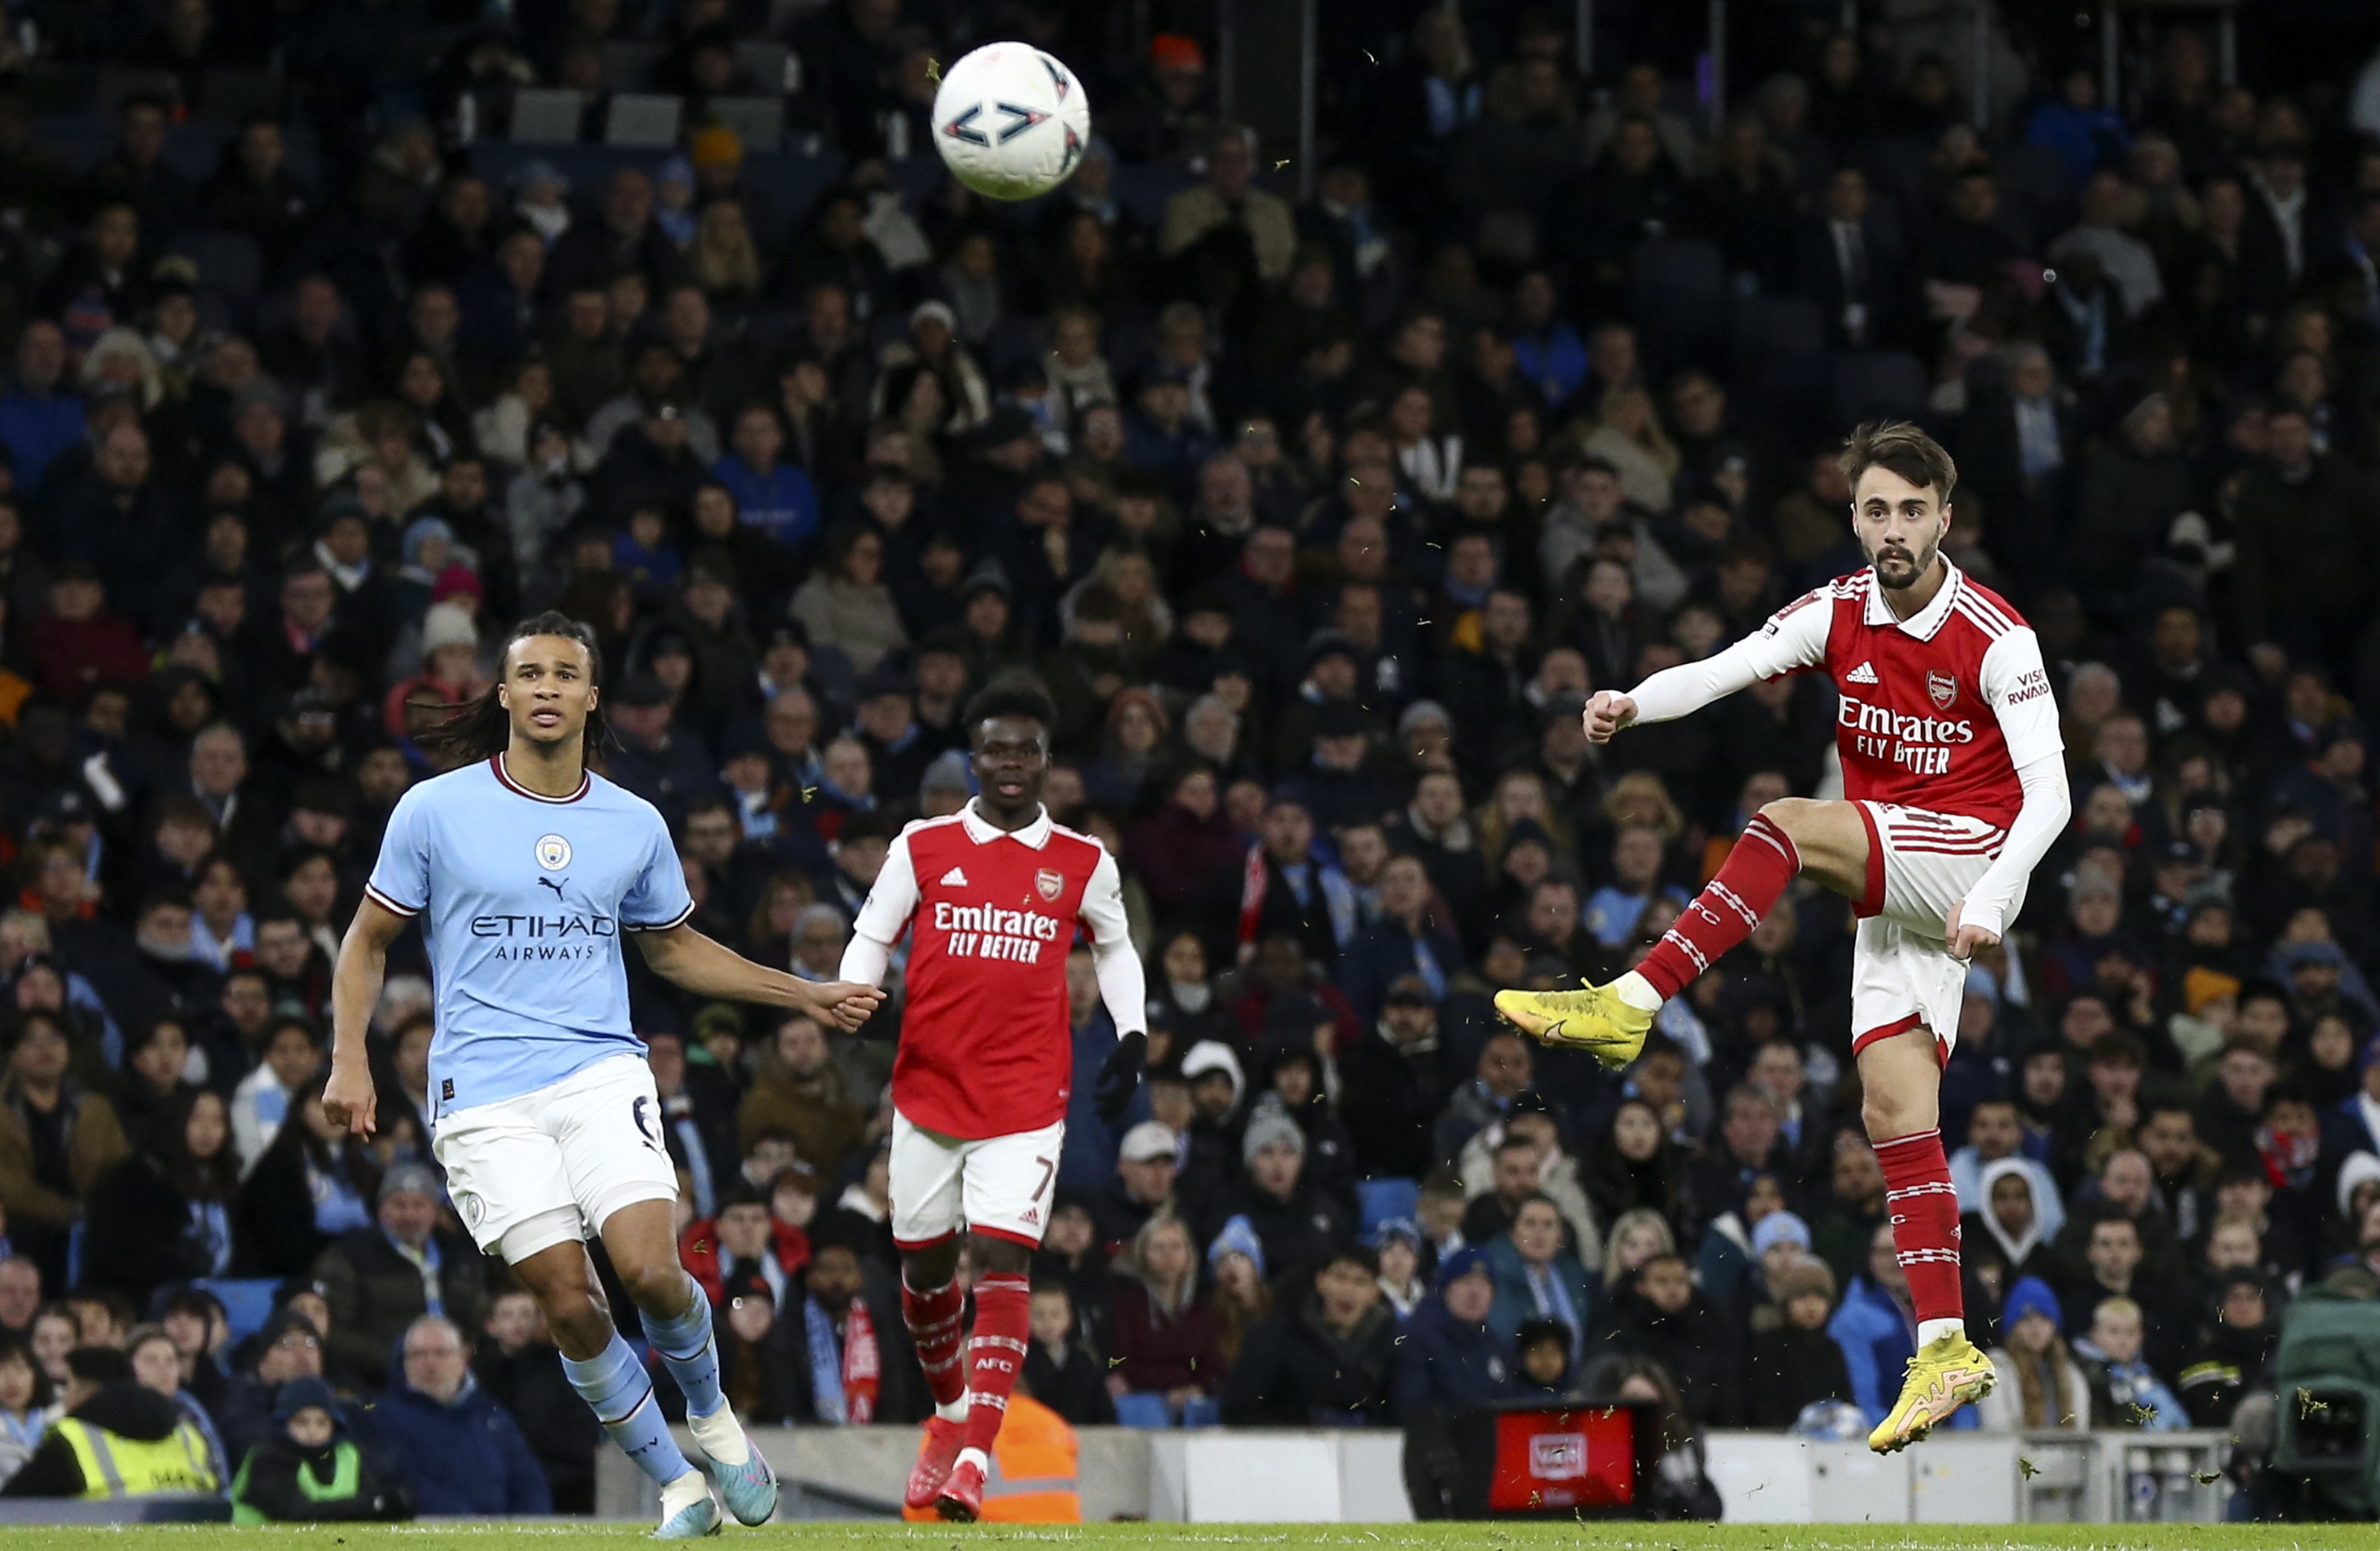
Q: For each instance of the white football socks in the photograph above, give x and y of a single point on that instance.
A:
(1637, 992)
(955, 1411)
(720, 1436)
(1932, 1331)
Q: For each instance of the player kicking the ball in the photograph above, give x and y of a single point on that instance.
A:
(1956, 788)
(991, 897)
(526, 868)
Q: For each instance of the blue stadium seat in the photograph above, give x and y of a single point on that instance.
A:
(1202, 1410)
(1378, 1201)
(247, 1301)
(1143, 1410)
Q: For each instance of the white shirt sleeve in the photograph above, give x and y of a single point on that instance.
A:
(2016, 686)
(1794, 637)
(2037, 827)
(1124, 987)
(883, 917)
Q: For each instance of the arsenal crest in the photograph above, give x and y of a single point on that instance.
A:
(1048, 882)
(1943, 688)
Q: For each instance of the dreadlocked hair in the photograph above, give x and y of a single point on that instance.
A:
(481, 728)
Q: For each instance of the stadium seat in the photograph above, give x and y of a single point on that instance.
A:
(544, 115)
(1146, 1412)
(1379, 1201)
(643, 122)
(1202, 1410)
(758, 122)
(247, 1301)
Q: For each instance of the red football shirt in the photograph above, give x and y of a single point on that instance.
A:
(1935, 712)
(987, 1047)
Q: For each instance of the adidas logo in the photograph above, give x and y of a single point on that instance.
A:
(1864, 673)
(955, 878)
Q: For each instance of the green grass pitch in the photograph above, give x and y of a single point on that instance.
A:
(834, 1536)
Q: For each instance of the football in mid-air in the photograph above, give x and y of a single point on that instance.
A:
(1012, 121)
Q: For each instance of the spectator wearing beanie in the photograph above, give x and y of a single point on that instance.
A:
(1451, 1354)
(2040, 1385)
(1297, 1225)
(378, 1281)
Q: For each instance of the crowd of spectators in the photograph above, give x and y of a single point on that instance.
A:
(1318, 517)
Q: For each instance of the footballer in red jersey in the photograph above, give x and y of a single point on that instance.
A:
(991, 899)
(1954, 788)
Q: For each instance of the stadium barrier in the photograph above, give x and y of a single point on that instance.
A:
(1321, 1476)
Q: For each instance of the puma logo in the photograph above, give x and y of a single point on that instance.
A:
(549, 883)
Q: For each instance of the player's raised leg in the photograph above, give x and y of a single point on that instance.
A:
(1790, 836)
(604, 1369)
(1900, 1078)
(677, 1321)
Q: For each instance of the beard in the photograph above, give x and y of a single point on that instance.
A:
(1898, 567)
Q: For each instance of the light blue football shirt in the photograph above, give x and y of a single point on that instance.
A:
(523, 899)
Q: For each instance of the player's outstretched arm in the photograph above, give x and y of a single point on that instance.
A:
(686, 957)
(347, 1099)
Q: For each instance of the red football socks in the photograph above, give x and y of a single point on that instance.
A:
(1924, 1208)
(937, 1323)
(1749, 883)
(1002, 1324)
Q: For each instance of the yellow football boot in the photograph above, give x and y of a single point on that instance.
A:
(1596, 1020)
(1945, 1374)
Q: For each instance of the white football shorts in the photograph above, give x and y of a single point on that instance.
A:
(995, 1185)
(1919, 865)
(550, 1167)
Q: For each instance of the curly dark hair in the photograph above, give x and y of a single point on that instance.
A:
(1010, 697)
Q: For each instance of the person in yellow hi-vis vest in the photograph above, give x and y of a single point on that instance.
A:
(1032, 1476)
(117, 1440)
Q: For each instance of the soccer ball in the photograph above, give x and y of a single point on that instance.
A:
(1012, 121)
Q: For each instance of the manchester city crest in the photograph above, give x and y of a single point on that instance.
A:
(552, 853)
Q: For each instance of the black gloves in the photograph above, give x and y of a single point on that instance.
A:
(1120, 1077)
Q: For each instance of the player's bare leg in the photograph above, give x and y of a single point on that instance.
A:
(935, 1310)
(1900, 1079)
(642, 1240)
(1822, 840)
(605, 1372)
(995, 1356)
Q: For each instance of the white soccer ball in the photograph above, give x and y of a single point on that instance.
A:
(1011, 122)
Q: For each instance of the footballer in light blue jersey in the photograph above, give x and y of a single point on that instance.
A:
(523, 900)
(525, 867)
